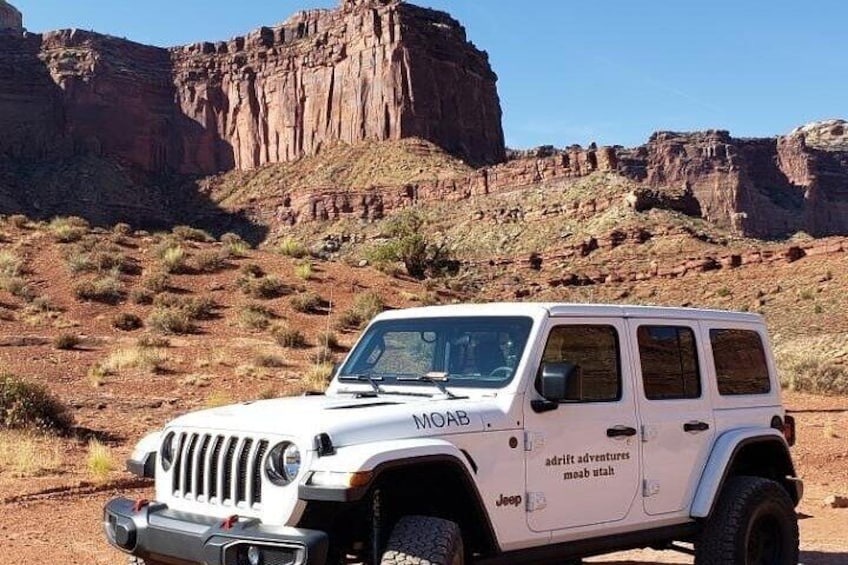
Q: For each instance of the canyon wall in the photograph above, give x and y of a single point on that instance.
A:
(370, 70)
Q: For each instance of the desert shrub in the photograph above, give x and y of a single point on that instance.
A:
(171, 321)
(156, 282)
(18, 286)
(255, 317)
(30, 405)
(10, 264)
(107, 289)
(318, 376)
(330, 340)
(287, 337)
(306, 302)
(25, 453)
(195, 307)
(99, 460)
(147, 359)
(127, 322)
(291, 247)
(141, 296)
(809, 371)
(153, 341)
(209, 261)
(42, 305)
(409, 245)
(267, 287)
(19, 221)
(268, 361)
(122, 229)
(304, 271)
(235, 245)
(173, 260)
(365, 307)
(252, 270)
(81, 261)
(68, 230)
(66, 341)
(188, 233)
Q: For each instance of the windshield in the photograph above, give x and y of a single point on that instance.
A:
(467, 351)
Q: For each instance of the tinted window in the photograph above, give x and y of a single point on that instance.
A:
(740, 362)
(669, 358)
(594, 350)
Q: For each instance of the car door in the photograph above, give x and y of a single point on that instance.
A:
(582, 458)
(676, 415)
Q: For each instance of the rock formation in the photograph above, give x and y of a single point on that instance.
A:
(10, 18)
(371, 70)
(758, 187)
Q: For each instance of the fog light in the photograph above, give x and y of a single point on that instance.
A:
(254, 555)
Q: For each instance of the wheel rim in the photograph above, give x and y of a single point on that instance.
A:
(764, 542)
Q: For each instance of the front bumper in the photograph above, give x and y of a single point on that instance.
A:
(153, 531)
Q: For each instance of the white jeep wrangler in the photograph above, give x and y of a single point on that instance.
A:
(498, 433)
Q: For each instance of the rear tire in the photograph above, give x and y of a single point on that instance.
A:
(754, 523)
(422, 539)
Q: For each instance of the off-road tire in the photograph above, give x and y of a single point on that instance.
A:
(754, 523)
(424, 540)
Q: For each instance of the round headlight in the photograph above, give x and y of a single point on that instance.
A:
(169, 448)
(283, 464)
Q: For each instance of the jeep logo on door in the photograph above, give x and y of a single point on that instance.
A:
(514, 500)
(439, 420)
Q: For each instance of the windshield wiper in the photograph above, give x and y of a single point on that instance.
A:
(437, 379)
(365, 379)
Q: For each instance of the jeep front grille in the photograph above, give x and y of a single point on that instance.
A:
(218, 469)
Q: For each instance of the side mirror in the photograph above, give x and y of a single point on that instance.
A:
(557, 385)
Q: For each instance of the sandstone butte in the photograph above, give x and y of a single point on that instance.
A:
(368, 70)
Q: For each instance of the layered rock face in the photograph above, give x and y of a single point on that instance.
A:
(10, 18)
(758, 187)
(371, 70)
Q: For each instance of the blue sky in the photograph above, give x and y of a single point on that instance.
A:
(579, 71)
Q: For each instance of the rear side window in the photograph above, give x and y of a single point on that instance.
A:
(594, 349)
(669, 358)
(740, 362)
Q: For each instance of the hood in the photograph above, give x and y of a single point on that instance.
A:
(348, 420)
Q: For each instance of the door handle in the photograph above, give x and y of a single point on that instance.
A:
(695, 427)
(621, 431)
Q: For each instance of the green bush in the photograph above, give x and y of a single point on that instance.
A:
(304, 271)
(26, 405)
(408, 245)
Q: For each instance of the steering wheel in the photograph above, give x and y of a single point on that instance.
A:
(500, 372)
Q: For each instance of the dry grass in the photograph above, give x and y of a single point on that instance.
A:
(66, 341)
(255, 317)
(27, 454)
(293, 248)
(146, 359)
(218, 398)
(318, 376)
(99, 461)
(306, 302)
(287, 337)
(304, 271)
(815, 365)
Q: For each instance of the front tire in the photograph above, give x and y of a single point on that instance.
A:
(754, 523)
(422, 539)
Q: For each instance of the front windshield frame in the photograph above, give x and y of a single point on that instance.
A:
(455, 343)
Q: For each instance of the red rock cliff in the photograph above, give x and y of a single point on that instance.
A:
(373, 69)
